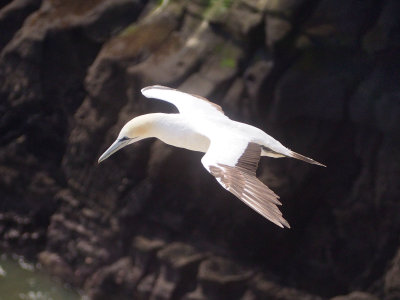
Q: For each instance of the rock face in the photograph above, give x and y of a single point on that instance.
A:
(320, 75)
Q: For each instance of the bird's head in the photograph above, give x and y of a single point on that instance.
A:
(135, 130)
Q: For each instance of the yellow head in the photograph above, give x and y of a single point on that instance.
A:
(135, 130)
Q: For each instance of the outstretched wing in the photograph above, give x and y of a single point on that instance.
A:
(186, 103)
(234, 165)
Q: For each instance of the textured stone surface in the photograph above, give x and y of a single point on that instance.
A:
(356, 296)
(319, 75)
(219, 278)
(115, 281)
(56, 266)
(392, 278)
(12, 17)
(177, 272)
(261, 288)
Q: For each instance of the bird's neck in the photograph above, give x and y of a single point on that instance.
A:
(176, 130)
(158, 124)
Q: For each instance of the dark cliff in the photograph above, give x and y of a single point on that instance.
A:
(322, 76)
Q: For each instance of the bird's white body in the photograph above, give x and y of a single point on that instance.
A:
(233, 149)
(195, 133)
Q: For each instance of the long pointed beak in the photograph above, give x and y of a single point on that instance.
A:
(118, 144)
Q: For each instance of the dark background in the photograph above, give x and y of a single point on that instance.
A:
(321, 76)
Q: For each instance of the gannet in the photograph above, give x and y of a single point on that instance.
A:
(232, 149)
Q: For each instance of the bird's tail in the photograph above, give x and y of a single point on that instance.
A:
(304, 158)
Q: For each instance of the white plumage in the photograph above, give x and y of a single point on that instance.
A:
(233, 149)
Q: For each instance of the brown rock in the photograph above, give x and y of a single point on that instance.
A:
(392, 278)
(178, 271)
(260, 288)
(283, 6)
(12, 16)
(382, 35)
(276, 28)
(56, 266)
(356, 296)
(220, 279)
(243, 19)
(113, 281)
(144, 253)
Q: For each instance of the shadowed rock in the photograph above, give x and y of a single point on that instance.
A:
(178, 271)
(260, 288)
(219, 279)
(356, 296)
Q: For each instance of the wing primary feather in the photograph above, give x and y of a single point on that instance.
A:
(259, 189)
(252, 181)
(251, 191)
(240, 179)
(262, 211)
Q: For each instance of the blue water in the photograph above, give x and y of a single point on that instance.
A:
(20, 280)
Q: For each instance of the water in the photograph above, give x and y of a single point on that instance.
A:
(20, 280)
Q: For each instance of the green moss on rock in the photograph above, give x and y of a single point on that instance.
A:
(217, 9)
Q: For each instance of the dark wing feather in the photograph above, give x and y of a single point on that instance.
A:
(241, 181)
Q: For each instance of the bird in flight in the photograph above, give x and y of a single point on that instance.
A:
(232, 149)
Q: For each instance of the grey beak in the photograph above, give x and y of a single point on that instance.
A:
(118, 144)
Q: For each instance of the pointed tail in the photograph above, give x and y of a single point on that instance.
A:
(304, 158)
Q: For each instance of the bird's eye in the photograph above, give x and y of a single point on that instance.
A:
(123, 139)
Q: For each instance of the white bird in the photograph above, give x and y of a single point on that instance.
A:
(232, 149)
